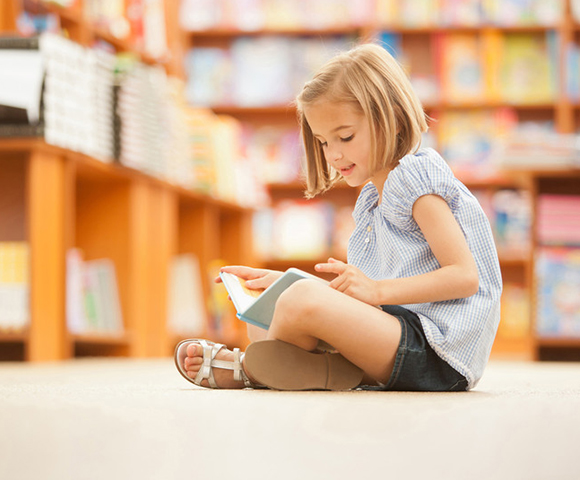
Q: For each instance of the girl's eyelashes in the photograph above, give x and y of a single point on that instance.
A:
(344, 140)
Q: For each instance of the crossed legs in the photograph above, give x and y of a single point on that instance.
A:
(310, 311)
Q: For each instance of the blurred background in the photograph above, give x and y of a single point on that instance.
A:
(146, 143)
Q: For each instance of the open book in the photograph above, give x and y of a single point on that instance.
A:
(257, 306)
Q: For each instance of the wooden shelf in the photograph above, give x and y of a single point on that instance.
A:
(13, 337)
(293, 32)
(558, 341)
(101, 339)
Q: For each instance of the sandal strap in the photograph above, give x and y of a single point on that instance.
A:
(210, 350)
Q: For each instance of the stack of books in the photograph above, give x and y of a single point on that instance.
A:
(14, 286)
(142, 101)
(21, 77)
(558, 220)
(92, 296)
(78, 98)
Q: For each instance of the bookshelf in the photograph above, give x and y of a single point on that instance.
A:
(54, 199)
(49, 193)
(491, 39)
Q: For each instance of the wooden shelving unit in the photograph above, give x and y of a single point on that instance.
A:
(516, 267)
(56, 199)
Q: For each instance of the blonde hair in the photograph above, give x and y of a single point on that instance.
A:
(369, 78)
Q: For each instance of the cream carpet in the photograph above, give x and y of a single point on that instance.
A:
(127, 419)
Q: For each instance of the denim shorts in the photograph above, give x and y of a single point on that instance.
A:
(417, 366)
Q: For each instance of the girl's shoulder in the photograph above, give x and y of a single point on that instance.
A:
(422, 173)
(426, 160)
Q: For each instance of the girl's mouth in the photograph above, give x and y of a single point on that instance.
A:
(347, 170)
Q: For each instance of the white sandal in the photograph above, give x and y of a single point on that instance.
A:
(210, 350)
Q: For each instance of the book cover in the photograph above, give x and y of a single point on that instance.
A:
(257, 307)
(528, 68)
(14, 285)
(461, 68)
(558, 284)
(187, 312)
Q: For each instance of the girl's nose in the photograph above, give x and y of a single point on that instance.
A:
(333, 154)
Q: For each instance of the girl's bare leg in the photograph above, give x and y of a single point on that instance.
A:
(309, 311)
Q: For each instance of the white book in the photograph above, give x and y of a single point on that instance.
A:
(256, 306)
(187, 313)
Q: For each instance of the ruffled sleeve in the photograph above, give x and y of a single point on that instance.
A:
(367, 200)
(419, 174)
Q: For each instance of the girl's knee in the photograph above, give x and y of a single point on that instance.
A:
(299, 299)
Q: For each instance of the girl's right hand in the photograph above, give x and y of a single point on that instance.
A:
(256, 278)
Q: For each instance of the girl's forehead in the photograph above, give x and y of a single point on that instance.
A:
(329, 115)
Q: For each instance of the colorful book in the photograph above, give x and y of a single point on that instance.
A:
(558, 219)
(257, 307)
(14, 286)
(558, 284)
(461, 68)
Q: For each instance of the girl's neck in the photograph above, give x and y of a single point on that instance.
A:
(379, 180)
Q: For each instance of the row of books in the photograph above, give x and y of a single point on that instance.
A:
(558, 284)
(458, 68)
(93, 305)
(14, 286)
(510, 215)
(199, 15)
(115, 108)
(142, 23)
(250, 15)
(558, 220)
(256, 72)
(453, 13)
(302, 230)
(537, 145)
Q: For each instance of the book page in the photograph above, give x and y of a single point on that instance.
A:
(241, 295)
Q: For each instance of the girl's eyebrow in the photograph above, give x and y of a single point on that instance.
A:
(342, 127)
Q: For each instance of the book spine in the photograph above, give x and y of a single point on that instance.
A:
(19, 43)
(21, 130)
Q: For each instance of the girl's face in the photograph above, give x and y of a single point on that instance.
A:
(344, 133)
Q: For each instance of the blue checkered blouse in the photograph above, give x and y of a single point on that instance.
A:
(460, 331)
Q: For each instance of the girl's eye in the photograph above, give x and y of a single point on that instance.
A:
(323, 144)
(347, 139)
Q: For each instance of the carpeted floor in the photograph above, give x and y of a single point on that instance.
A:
(127, 419)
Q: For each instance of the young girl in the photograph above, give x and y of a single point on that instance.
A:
(422, 250)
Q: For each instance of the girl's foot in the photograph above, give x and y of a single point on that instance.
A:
(224, 378)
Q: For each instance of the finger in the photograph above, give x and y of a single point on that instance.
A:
(337, 268)
(334, 260)
(339, 283)
(244, 272)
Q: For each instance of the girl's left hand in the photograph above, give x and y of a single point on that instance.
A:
(350, 280)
